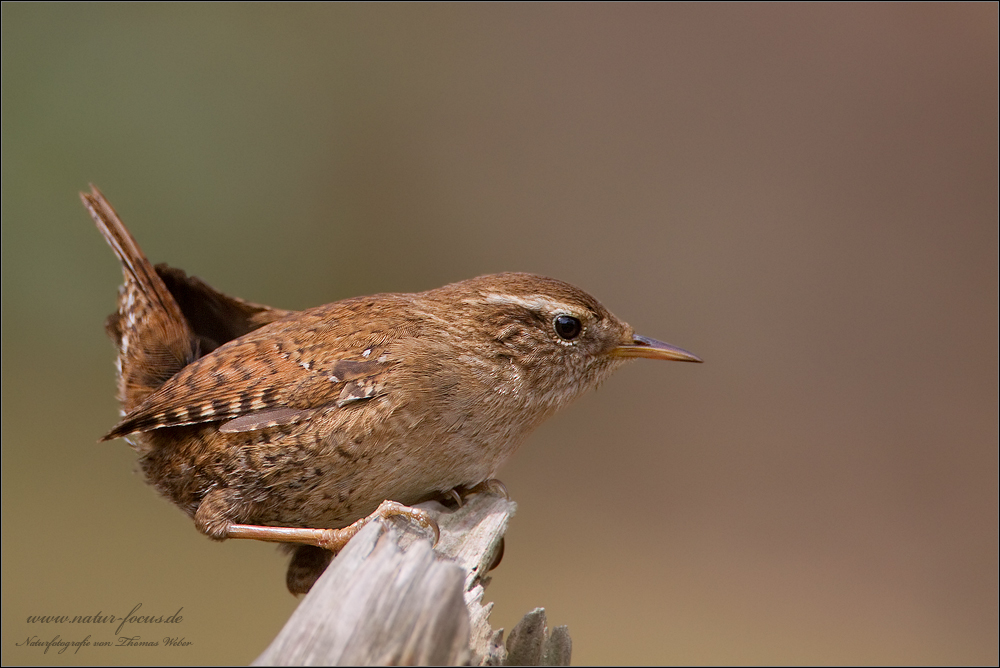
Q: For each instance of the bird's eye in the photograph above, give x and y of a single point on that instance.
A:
(567, 327)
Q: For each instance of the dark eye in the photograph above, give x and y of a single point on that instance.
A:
(567, 327)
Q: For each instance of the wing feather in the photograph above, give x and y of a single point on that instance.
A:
(290, 366)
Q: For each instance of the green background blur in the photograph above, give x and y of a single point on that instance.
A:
(804, 195)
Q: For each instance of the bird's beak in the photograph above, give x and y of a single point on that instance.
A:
(654, 350)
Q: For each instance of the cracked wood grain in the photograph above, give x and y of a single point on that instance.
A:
(390, 598)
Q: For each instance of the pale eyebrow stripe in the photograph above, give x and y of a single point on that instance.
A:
(533, 302)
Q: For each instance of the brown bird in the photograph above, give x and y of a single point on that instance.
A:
(289, 426)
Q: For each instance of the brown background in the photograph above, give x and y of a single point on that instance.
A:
(806, 196)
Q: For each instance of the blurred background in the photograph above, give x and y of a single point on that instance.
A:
(804, 195)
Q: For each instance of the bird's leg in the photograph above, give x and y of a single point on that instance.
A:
(491, 486)
(333, 540)
(212, 518)
(311, 557)
(456, 495)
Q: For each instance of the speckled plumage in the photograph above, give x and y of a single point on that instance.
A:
(244, 414)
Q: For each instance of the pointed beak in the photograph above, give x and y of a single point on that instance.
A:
(654, 350)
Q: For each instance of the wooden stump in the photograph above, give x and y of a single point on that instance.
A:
(391, 598)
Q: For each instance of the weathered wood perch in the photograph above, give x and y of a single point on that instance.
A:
(390, 598)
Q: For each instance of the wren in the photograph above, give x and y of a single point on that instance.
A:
(300, 426)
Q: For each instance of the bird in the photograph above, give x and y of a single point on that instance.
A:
(299, 427)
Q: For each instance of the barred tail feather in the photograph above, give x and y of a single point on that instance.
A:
(153, 337)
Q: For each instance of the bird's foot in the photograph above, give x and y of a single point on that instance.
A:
(491, 486)
(333, 540)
